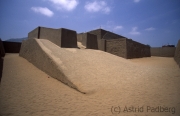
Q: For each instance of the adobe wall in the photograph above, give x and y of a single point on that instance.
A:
(91, 41)
(163, 51)
(11, 47)
(61, 37)
(99, 32)
(53, 35)
(34, 33)
(101, 44)
(136, 49)
(2, 52)
(68, 38)
(80, 37)
(116, 47)
(177, 53)
(103, 34)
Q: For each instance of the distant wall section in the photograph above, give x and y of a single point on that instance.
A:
(177, 53)
(2, 52)
(136, 49)
(11, 47)
(163, 51)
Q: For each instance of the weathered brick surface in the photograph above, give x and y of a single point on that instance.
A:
(127, 48)
(34, 33)
(103, 34)
(80, 37)
(91, 41)
(136, 49)
(177, 53)
(116, 47)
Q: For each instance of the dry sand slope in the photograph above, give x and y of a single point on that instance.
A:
(152, 82)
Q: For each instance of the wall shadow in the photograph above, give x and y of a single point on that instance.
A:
(1, 68)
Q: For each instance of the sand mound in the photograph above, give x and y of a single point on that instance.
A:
(75, 66)
(83, 69)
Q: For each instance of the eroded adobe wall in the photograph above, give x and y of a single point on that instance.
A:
(98, 32)
(80, 37)
(177, 53)
(163, 51)
(68, 38)
(91, 41)
(101, 44)
(11, 47)
(53, 35)
(116, 47)
(34, 33)
(136, 49)
(103, 34)
(61, 37)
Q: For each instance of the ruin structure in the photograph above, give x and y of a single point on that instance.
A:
(116, 44)
(62, 37)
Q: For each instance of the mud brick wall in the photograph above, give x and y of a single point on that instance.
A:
(80, 37)
(91, 41)
(2, 52)
(11, 47)
(101, 44)
(34, 33)
(136, 49)
(61, 37)
(163, 51)
(99, 32)
(116, 47)
(177, 53)
(68, 38)
(53, 35)
(103, 34)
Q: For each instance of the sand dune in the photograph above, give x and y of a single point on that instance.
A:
(25, 90)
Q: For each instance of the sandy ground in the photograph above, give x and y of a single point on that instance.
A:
(25, 90)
